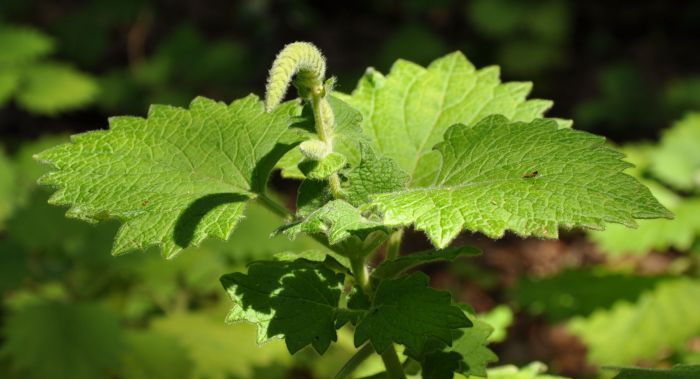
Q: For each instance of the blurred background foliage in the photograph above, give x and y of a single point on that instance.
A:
(627, 70)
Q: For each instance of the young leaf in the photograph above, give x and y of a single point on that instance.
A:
(529, 178)
(174, 178)
(677, 372)
(392, 268)
(337, 220)
(677, 161)
(373, 175)
(297, 301)
(408, 312)
(407, 112)
(661, 319)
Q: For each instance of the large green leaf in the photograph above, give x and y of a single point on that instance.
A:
(174, 178)
(407, 112)
(529, 178)
(295, 300)
(661, 319)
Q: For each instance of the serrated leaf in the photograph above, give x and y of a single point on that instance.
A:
(677, 372)
(661, 319)
(407, 112)
(152, 354)
(373, 175)
(175, 178)
(49, 88)
(337, 221)
(217, 350)
(529, 178)
(297, 301)
(22, 44)
(395, 267)
(677, 160)
(406, 311)
(72, 341)
(468, 355)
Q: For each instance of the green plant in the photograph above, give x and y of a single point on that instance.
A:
(444, 148)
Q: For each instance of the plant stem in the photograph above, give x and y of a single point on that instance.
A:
(359, 271)
(355, 361)
(323, 121)
(393, 247)
(275, 207)
(393, 366)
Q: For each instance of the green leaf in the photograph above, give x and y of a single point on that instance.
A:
(677, 372)
(54, 340)
(21, 45)
(175, 178)
(468, 354)
(337, 221)
(152, 354)
(320, 170)
(530, 178)
(347, 137)
(217, 350)
(297, 301)
(392, 268)
(534, 370)
(9, 81)
(49, 88)
(408, 312)
(661, 319)
(677, 160)
(373, 175)
(407, 112)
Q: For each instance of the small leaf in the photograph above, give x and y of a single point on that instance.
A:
(175, 178)
(297, 301)
(323, 168)
(373, 175)
(392, 268)
(481, 185)
(337, 221)
(408, 312)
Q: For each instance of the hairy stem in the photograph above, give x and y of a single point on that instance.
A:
(324, 120)
(355, 361)
(393, 366)
(393, 247)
